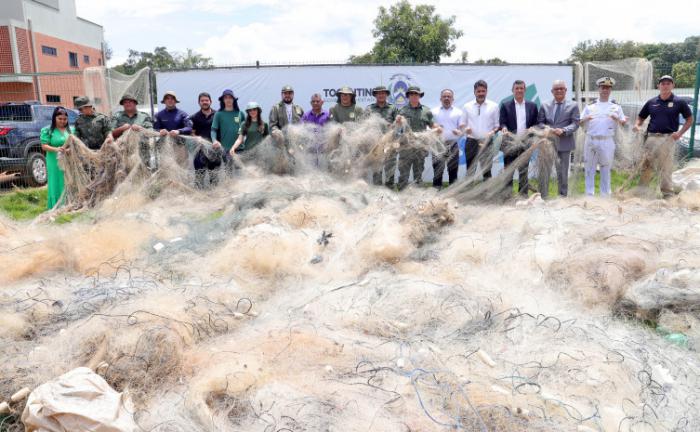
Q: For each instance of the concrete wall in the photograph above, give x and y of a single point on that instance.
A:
(63, 24)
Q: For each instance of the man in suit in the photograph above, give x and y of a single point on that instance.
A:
(516, 116)
(563, 117)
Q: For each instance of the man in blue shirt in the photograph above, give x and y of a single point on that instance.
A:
(172, 120)
(662, 133)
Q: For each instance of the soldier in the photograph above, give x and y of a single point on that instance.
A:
(285, 112)
(91, 127)
(600, 120)
(388, 112)
(418, 117)
(345, 110)
(130, 117)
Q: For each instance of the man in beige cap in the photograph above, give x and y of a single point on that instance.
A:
(600, 120)
(172, 120)
(346, 110)
(285, 111)
(91, 127)
(129, 117)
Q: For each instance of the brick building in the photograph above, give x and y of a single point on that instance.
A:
(44, 36)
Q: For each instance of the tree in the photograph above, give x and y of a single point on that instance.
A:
(684, 74)
(410, 35)
(161, 58)
(491, 61)
(605, 50)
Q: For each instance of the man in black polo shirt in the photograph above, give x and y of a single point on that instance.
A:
(201, 127)
(662, 134)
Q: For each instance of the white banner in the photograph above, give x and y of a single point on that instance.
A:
(263, 85)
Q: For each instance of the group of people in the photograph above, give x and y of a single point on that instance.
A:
(236, 131)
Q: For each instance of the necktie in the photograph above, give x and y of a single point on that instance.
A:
(557, 112)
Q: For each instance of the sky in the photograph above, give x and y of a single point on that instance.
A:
(302, 31)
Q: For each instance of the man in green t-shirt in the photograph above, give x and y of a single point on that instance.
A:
(227, 121)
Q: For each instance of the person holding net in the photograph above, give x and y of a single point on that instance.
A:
(91, 127)
(129, 117)
(346, 110)
(253, 131)
(388, 113)
(662, 133)
(480, 122)
(600, 119)
(52, 139)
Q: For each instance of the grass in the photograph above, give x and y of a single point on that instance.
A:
(24, 204)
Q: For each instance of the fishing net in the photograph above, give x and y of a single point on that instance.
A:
(295, 296)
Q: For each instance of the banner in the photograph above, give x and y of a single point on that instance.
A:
(263, 84)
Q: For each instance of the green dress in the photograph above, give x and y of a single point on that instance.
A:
(53, 171)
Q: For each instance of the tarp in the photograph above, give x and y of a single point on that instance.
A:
(79, 400)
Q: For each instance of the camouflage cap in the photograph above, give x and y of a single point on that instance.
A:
(666, 78)
(287, 88)
(126, 97)
(345, 90)
(605, 81)
(169, 93)
(379, 89)
(414, 89)
(252, 106)
(82, 101)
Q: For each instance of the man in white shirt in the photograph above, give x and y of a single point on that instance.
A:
(480, 122)
(600, 120)
(449, 118)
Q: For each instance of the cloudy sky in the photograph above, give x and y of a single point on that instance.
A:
(299, 31)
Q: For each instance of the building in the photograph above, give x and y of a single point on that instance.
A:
(41, 37)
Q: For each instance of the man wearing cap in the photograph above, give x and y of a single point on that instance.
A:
(449, 118)
(419, 118)
(129, 117)
(91, 127)
(662, 133)
(346, 110)
(562, 116)
(516, 117)
(388, 113)
(172, 120)
(285, 111)
(480, 121)
(600, 119)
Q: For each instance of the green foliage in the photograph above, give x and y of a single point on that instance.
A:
(684, 74)
(161, 58)
(410, 35)
(491, 61)
(24, 204)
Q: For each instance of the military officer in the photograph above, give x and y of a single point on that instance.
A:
(419, 118)
(600, 119)
(91, 127)
(346, 110)
(130, 117)
(388, 112)
(285, 111)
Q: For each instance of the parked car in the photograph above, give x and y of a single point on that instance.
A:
(20, 148)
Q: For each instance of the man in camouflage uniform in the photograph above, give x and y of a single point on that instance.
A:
(345, 110)
(418, 117)
(91, 127)
(388, 113)
(129, 117)
(285, 111)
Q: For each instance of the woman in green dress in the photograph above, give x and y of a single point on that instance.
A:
(52, 140)
(253, 131)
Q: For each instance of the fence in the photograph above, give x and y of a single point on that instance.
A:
(27, 102)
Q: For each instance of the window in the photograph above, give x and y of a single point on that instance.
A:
(86, 59)
(73, 59)
(49, 50)
(53, 98)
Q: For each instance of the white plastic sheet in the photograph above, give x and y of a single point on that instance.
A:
(79, 400)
